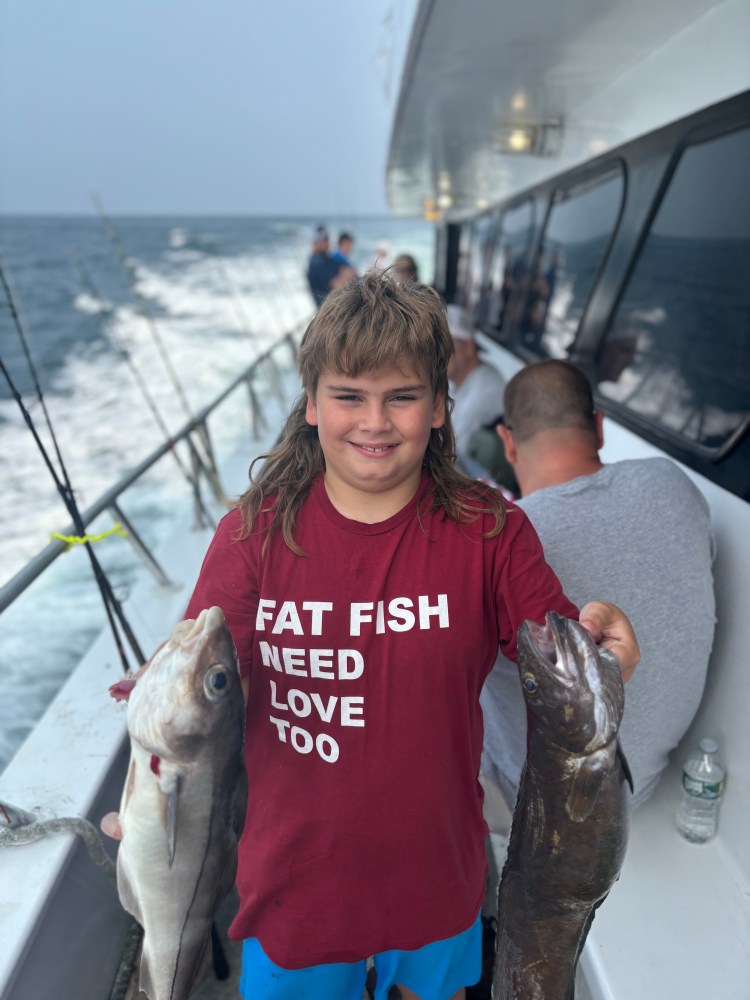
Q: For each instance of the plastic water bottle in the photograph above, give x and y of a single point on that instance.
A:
(702, 785)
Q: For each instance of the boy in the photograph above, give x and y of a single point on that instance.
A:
(367, 585)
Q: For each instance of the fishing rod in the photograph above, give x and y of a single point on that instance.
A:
(112, 606)
(88, 280)
(143, 305)
(205, 517)
(207, 462)
(273, 298)
(245, 327)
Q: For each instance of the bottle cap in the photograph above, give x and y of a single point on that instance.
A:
(709, 746)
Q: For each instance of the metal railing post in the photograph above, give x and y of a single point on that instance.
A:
(143, 551)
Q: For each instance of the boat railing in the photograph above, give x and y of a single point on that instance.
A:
(195, 434)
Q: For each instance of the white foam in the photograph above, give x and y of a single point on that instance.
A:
(214, 315)
(90, 305)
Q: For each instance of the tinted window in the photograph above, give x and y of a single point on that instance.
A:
(462, 267)
(678, 351)
(579, 229)
(479, 250)
(508, 269)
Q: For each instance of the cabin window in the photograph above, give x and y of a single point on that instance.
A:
(462, 265)
(474, 262)
(508, 271)
(580, 226)
(677, 353)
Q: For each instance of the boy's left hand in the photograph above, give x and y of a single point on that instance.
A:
(612, 629)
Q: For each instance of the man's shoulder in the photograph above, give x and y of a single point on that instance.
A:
(482, 386)
(652, 483)
(488, 374)
(656, 473)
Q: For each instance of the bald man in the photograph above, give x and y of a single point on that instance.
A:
(637, 531)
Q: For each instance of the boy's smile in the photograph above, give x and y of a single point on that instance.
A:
(374, 430)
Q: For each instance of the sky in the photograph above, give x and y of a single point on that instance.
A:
(248, 107)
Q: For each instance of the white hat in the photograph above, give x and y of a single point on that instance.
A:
(459, 323)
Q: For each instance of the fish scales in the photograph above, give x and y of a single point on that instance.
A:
(183, 804)
(570, 822)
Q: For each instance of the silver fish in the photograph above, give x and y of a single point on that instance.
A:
(570, 822)
(183, 805)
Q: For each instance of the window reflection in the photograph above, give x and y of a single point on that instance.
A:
(462, 267)
(678, 351)
(508, 273)
(480, 249)
(579, 229)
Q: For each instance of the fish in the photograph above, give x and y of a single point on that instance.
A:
(570, 822)
(184, 799)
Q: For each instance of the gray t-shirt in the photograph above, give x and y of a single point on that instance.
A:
(636, 533)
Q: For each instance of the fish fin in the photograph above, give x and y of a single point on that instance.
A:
(207, 962)
(219, 961)
(586, 784)
(145, 979)
(172, 796)
(121, 691)
(625, 766)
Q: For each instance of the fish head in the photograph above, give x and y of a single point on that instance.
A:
(191, 690)
(573, 689)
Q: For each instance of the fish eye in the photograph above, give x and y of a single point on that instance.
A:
(215, 682)
(530, 686)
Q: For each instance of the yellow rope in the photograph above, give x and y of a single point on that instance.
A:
(71, 540)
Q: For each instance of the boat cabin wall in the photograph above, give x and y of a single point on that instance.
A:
(636, 267)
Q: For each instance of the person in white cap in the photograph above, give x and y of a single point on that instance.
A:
(476, 387)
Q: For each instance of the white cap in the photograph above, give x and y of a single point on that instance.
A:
(459, 323)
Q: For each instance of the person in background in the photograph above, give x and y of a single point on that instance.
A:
(486, 459)
(636, 530)
(405, 268)
(335, 572)
(379, 260)
(342, 253)
(323, 272)
(477, 388)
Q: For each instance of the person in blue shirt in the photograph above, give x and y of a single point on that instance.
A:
(324, 272)
(343, 252)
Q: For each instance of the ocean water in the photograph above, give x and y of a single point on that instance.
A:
(219, 291)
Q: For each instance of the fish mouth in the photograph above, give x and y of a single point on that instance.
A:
(188, 634)
(560, 644)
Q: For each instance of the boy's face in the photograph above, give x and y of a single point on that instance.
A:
(374, 429)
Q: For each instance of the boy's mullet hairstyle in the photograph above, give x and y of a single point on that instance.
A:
(367, 326)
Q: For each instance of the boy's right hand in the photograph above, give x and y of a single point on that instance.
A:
(110, 825)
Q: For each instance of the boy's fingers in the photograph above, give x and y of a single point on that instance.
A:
(110, 825)
(612, 629)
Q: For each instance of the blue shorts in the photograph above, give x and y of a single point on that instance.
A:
(434, 972)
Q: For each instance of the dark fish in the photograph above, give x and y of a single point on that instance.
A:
(183, 806)
(570, 822)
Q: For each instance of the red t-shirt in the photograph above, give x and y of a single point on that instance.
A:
(366, 656)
